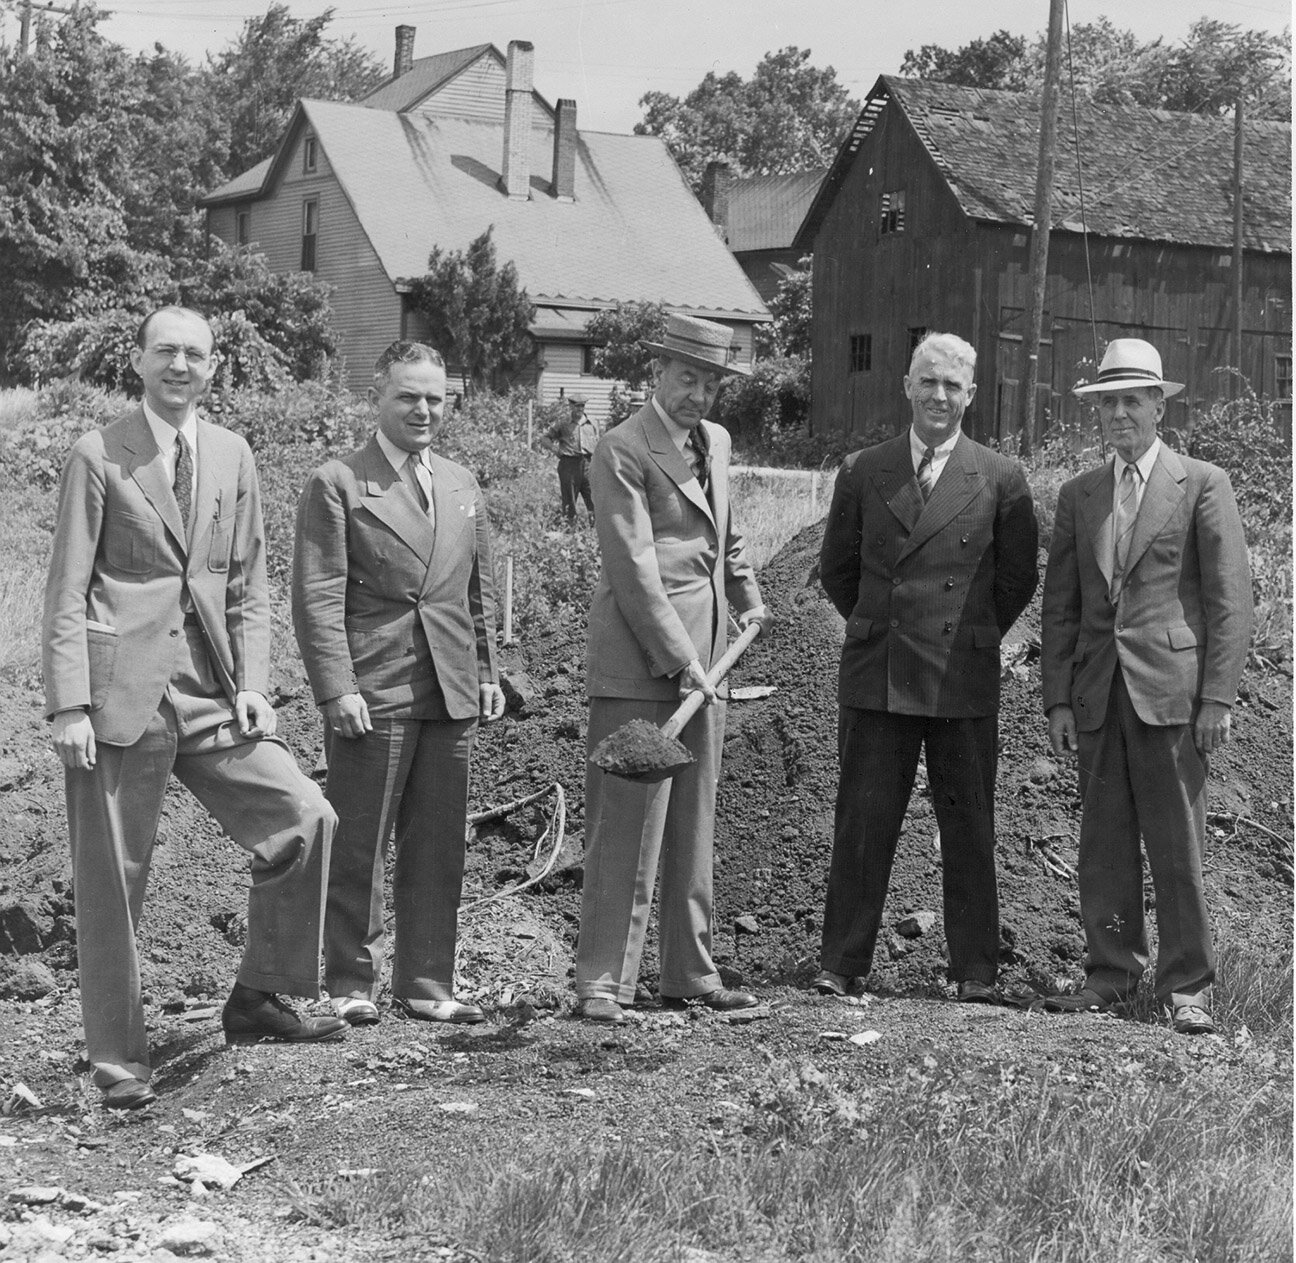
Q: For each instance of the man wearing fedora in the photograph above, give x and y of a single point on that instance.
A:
(672, 566)
(1146, 622)
(574, 438)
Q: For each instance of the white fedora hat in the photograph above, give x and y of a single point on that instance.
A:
(1128, 362)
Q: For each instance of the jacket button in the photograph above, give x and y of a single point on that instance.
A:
(175, 631)
(880, 540)
(964, 540)
(895, 622)
(949, 627)
(949, 583)
(895, 581)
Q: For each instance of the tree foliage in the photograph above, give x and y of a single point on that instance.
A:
(621, 332)
(478, 316)
(1205, 73)
(276, 59)
(788, 117)
(789, 332)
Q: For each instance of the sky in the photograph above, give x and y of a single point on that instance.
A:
(607, 53)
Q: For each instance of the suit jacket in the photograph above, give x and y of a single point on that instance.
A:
(121, 559)
(671, 559)
(927, 590)
(385, 605)
(1182, 622)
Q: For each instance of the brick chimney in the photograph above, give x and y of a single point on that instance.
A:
(518, 74)
(716, 182)
(404, 51)
(564, 158)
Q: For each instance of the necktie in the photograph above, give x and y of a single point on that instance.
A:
(926, 481)
(1123, 525)
(182, 486)
(698, 458)
(419, 477)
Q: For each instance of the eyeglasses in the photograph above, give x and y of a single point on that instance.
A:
(194, 357)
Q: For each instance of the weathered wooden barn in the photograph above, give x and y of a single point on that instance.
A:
(453, 144)
(923, 222)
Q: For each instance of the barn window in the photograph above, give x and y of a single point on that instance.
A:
(310, 233)
(1283, 376)
(916, 334)
(243, 227)
(310, 154)
(893, 212)
(861, 352)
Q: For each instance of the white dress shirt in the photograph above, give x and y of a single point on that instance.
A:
(398, 457)
(918, 449)
(1143, 465)
(164, 435)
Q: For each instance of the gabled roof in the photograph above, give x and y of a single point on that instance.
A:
(634, 231)
(425, 76)
(766, 210)
(1148, 174)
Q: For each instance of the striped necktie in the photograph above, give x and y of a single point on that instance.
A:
(699, 457)
(1127, 503)
(926, 479)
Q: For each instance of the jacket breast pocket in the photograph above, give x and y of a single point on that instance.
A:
(222, 542)
(130, 543)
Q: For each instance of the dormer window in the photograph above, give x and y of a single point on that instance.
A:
(892, 216)
(310, 154)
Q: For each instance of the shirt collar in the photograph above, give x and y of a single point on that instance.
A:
(164, 433)
(1144, 463)
(919, 448)
(397, 456)
(678, 433)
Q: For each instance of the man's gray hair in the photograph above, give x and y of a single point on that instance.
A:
(404, 352)
(950, 344)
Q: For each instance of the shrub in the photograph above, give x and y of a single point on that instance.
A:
(333, 421)
(775, 399)
(34, 451)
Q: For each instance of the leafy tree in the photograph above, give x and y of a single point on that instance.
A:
(622, 330)
(789, 332)
(789, 116)
(276, 59)
(477, 314)
(997, 62)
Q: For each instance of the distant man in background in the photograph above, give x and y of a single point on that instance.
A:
(673, 564)
(394, 609)
(1146, 622)
(574, 437)
(157, 660)
(929, 554)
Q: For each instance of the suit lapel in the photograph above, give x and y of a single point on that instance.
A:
(1096, 512)
(148, 469)
(960, 481)
(455, 507)
(1160, 499)
(670, 460)
(391, 501)
(894, 480)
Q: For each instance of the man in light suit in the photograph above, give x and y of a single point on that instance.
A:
(394, 609)
(1146, 622)
(929, 553)
(672, 564)
(156, 659)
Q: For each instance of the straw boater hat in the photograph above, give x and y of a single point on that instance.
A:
(1129, 362)
(703, 343)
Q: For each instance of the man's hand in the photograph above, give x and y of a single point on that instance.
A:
(348, 716)
(693, 679)
(762, 615)
(1062, 731)
(256, 717)
(1212, 728)
(74, 739)
(491, 706)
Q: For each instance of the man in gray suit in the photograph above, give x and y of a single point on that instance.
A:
(1146, 622)
(394, 609)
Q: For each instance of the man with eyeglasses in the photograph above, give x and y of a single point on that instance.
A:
(156, 660)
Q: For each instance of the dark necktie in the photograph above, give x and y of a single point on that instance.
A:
(699, 457)
(926, 480)
(1123, 525)
(182, 487)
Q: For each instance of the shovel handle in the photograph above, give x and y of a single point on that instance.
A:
(696, 699)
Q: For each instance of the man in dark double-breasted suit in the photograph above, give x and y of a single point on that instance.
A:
(394, 609)
(929, 553)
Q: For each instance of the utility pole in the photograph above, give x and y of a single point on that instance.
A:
(1238, 290)
(24, 22)
(1039, 242)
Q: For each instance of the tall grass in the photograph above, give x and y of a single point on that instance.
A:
(770, 508)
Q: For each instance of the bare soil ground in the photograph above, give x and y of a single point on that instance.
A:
(532, 1082)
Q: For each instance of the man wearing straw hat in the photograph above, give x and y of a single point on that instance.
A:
(672, 564)
(1146, 622)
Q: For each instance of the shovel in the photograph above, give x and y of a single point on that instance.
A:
(640, 751)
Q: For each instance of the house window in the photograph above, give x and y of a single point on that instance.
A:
(310, 153)
(892, 217)
(861, 352)
(243, 227)
(310, 233)
(588, 352)
(1283, 376)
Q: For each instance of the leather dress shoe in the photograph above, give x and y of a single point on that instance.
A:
(599, 1008)
(249, 1020)
(1086, 1000)
(974, 991)
(825, 982)
(439, 1010)
(355, 1010)
(1191, 1019)
(128, 1094)
(721, 1000)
